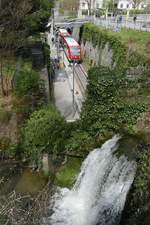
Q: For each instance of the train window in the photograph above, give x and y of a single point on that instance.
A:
(75, 51)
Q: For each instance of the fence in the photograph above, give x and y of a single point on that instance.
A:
(114, 24)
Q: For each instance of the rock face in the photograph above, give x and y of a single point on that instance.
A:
(98, 56)
(106, 56)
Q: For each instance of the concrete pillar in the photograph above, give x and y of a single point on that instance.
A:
(45, 164)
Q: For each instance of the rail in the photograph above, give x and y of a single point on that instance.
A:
(81, 77)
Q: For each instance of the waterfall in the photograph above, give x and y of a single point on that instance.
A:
(99, 194)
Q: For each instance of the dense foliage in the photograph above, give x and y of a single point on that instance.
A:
(28, 92)
(24, 18)
(27, 83)
(105, 109)
(137, 208)
(45, 131)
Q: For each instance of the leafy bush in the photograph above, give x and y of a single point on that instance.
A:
(37, 20)
(45, 131)
(80, 142)
(27, 82)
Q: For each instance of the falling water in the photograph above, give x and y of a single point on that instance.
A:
(99, 194)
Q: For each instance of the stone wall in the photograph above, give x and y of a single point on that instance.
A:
(103, 56)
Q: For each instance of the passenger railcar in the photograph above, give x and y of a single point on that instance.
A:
(72, 49)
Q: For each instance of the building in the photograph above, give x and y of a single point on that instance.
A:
(87, 5)
(92, 4)
(129, 4)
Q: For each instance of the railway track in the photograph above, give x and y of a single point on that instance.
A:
(81, 78)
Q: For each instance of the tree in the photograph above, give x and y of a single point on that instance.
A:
(90, 4)
(71, 5)
(108, 4)
(136, 3)
(44, 132)
(13, 31)
(17, 18)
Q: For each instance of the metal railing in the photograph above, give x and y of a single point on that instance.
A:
(113, 24)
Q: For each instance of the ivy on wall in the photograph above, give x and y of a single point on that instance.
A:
(105, 108)
(122, 57)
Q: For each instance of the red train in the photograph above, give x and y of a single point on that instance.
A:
(71, 46)
(63, 33)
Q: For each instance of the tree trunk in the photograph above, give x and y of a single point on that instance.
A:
(1, 77)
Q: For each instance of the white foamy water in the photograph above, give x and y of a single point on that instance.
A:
(99, 194)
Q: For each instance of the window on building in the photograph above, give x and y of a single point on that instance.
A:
(83, 4)
(127, 6)
(121, 5)
(97, 5)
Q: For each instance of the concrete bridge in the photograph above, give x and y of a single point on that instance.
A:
(67, 23)
(110, 23)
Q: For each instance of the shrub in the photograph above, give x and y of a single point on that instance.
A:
(80, 142)
(27, 82)
(45, 131)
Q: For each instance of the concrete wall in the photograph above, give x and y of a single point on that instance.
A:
(94, 54)
(98, 56)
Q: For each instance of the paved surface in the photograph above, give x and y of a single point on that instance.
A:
(63, 88)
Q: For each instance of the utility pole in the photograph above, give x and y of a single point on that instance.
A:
(73, 83)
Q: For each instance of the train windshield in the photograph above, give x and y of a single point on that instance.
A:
(66, 35)
(75, 51)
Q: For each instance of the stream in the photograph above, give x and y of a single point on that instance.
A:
(99, 193)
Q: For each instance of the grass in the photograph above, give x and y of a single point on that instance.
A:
(139, 37)
(137, 40)
(68, 172)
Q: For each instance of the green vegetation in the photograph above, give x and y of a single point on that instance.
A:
(138, 37)
(69, 8)
(27, 82)
(105, 109)
(136, 40)
(44, 132)
(68, 172)
(80, 142)
(27, 18)
(28, 92)
(125, 46)
(117, 102)
(138, 205)
(100, 37)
